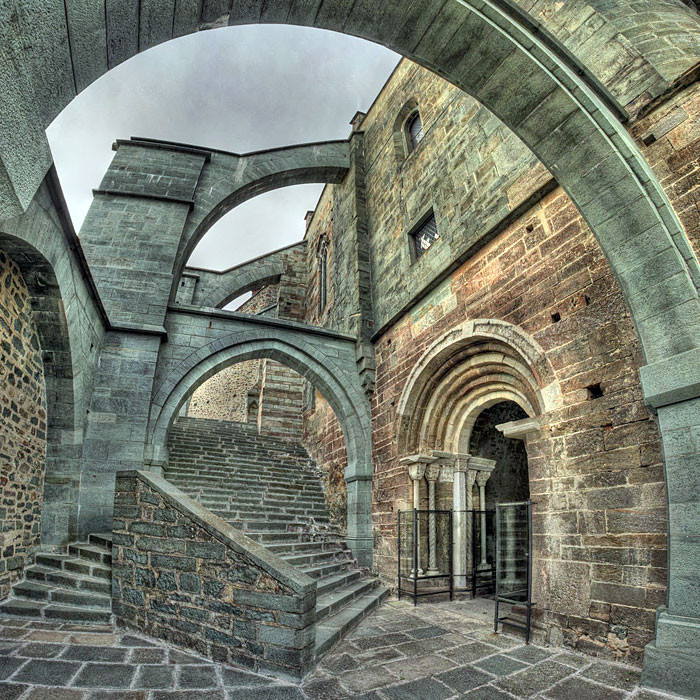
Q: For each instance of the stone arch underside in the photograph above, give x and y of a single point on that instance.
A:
(325, 361)
(508, 62)
(216, 289)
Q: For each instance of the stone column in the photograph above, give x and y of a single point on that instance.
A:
(459, 521)
(481, 478)
(416, 471)
(471, 480)
(432, 473)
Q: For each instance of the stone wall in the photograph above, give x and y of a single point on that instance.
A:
(596, 477)
(22, 427)
(596, 470)
(323, 438)
(183, 575)
(225, 395)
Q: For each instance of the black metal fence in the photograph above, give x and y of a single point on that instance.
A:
(496, 555)
(425, 553)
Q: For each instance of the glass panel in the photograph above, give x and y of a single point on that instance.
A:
(426, 235)
(415, 130)
(513, 551)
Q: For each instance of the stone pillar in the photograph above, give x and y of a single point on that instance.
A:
(471, 480)
(481, 478)
(432, 473)
(359, 538)
(459, 522)
(416, 471)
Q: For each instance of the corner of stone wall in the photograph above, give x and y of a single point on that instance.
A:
(183, 575)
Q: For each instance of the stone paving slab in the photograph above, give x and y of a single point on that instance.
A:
(435, 651)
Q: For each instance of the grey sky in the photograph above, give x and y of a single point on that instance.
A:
(238, 89)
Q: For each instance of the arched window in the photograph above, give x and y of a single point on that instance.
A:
(414, 131)
(322, 274)
(408, 130)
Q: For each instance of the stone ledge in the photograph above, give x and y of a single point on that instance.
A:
(672, 380)
(262, 320)
(145, 195)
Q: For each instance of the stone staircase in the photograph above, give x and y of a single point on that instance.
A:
(74, 587)
(270, 489)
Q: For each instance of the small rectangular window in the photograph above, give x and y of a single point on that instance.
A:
(425, 235)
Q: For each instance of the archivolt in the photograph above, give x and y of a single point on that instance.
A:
(471, 367)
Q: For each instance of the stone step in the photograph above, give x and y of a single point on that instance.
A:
(103, 540)
(334, 600)
(329, 568)
(317, 558)
(58, 577)
(91, 552)
(334, 627)
(330, 583)
(69, 562)
(330, 543)
(50, 593)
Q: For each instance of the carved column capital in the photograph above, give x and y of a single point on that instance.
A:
(482, 478)
(432, 471)
(471, 477)
(416, 470)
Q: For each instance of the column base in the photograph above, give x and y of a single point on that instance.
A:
(672, 660)
(361, 548)
(432, 572)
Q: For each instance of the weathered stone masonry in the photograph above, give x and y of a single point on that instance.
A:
(184, 575)
(565, 94)
(22, 427)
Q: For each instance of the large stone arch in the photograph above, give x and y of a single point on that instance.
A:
(337, 385)
(560, 110)
(229, 179)
(216, 289)
(511, 64)
(70, 323)
(64, 407)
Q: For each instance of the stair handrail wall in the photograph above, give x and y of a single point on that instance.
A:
(184, 575)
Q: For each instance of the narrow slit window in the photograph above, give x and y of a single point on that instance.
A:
(414, 130)
(425, 235)
(322, 275)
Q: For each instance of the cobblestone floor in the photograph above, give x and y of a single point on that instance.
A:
(432, 652)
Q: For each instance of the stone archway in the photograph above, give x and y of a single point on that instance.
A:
(510, 63)
(319, 369)
(471, 367)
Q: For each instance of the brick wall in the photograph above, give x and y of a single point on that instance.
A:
(22, 427)
(595, 473)
(323, 438)
(183, 575)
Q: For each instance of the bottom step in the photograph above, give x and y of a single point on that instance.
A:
(334, 627)
(39, 609)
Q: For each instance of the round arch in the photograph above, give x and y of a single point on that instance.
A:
(470, 367)
(511, 64)
(319, 369)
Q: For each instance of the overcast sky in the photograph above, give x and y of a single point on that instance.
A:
(238, 89)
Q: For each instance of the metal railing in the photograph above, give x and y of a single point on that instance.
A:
(425, 553)
(496, 556)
